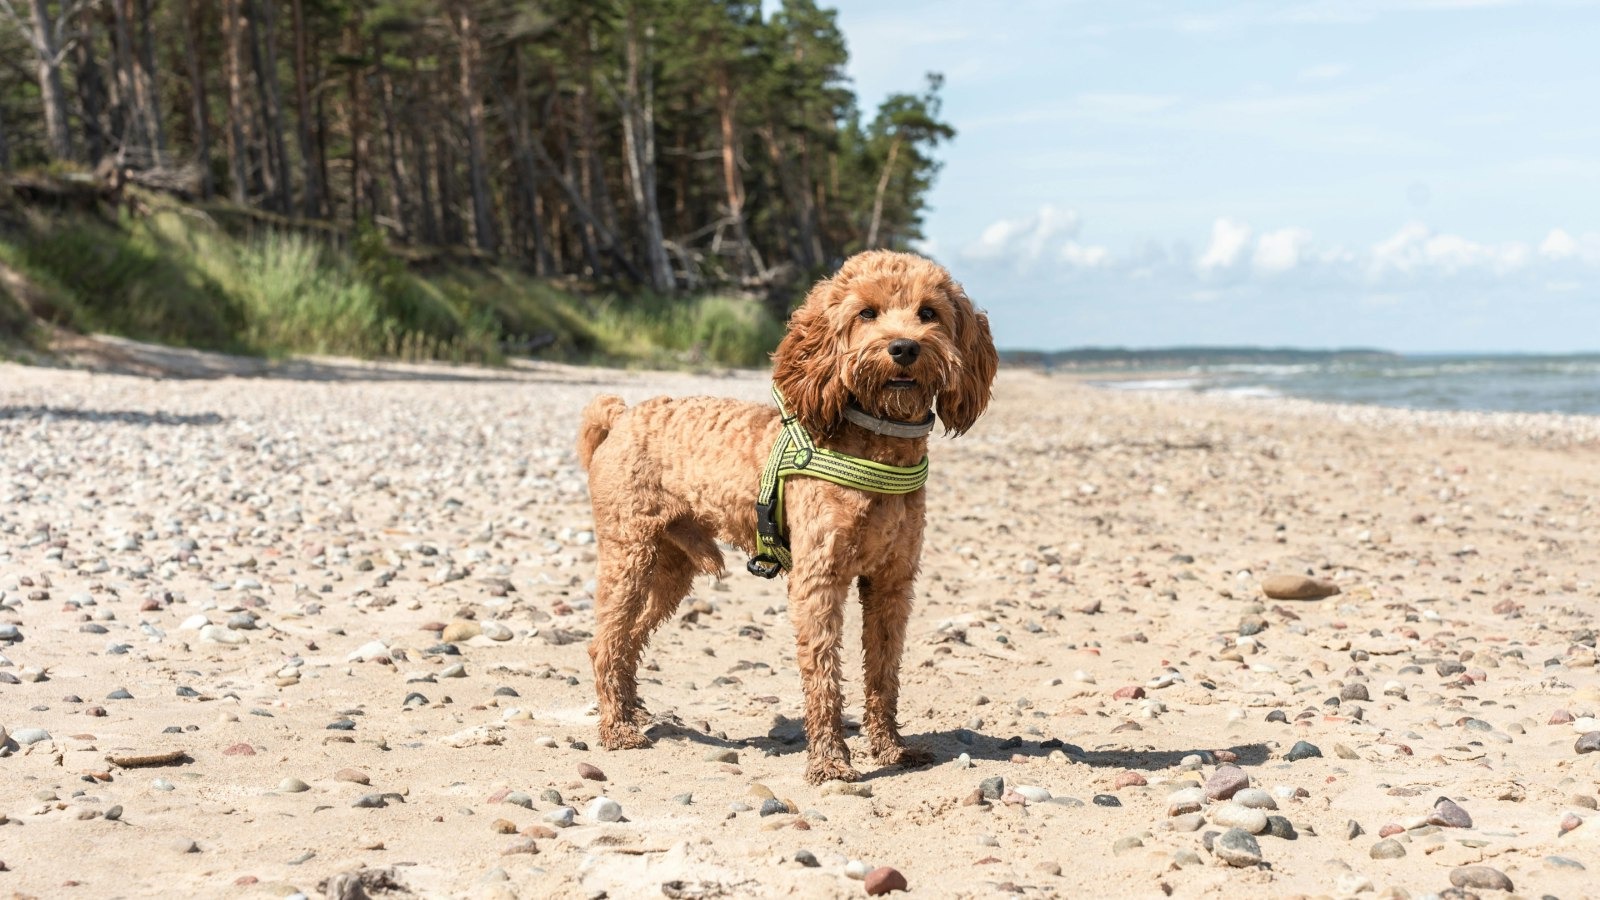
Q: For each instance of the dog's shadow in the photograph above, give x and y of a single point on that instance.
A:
(788, 737)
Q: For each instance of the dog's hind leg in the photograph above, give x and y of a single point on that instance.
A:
(885, 609)
(669, 581)
(621, 601)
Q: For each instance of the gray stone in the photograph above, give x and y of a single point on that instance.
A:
(26, 736)
(1255, 798)
(1388, 848)
(1237, 848)
(1588, 743)
(1446, 813)
(992, 788)
(1480, 877)
(1302, 750)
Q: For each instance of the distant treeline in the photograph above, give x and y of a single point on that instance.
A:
(670, 144)
(1181, 357)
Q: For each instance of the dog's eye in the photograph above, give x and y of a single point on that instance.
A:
(868, 314)
(927, 314)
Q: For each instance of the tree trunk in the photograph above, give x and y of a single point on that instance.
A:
(91, 90)
(52, 92)
(192, 30)
(265, 53)
(877, 196)
(136, 146)
(732, 184)
(472, 100)
(638, 135)
(311, 201)
(150, 89)
(522, 138)
(238, 136)
(399, 201)
(5, 146)
(430, 221)
(360, 148)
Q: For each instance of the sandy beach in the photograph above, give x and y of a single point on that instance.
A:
(326, 624)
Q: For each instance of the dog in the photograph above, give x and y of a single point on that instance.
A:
(891, 335)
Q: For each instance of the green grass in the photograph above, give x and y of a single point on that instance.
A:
(177, 276)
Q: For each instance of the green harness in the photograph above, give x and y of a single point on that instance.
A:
(795, 453)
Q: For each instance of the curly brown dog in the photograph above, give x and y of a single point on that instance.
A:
(892, 334)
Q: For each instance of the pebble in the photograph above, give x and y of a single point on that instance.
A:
(26, 736)
(1255, 798)
(1232, 815)
(806, 858)
(293, 786)
(1032, 793)
(1446, 813)
(1225, 782)
(496, 631)
(1297, 587)
(592, 773)
(1484, 878)
(161, 784)
(883, 880)
(561, 816)
(1588, 743)
(1388, 848)
(604, 809)
(992, 788)
(1237, 848)
(1302, 750)
(856, 870)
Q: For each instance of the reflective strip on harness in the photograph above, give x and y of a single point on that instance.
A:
(795, 453)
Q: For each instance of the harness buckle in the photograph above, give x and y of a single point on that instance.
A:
(764, 566)
(767, 522)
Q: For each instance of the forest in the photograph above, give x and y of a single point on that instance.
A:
(668, 146)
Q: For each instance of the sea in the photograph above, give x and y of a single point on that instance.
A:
(1544, 384)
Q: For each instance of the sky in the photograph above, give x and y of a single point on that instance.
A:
(1412, 175)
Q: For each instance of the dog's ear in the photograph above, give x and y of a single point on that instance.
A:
(967, 394)
(806, 365)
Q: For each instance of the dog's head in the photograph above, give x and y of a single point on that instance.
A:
(895, 333)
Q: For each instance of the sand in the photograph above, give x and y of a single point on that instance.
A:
(250, 575)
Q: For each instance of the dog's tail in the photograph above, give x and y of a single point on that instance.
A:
(598, 417)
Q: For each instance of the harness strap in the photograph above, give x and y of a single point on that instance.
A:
(795, 453)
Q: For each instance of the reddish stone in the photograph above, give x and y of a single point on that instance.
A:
(883, 879)
(240, 749)
(591, 772)
(1389, 830)
(1130, 779)
(1131, 692)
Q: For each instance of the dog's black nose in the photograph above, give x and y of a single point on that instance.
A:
(904, 351)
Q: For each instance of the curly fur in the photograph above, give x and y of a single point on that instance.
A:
(666, 484)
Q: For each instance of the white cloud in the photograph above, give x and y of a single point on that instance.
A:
(1080, 256)
(1560, 246)
(1281, 250)
(1023, 240)
(1228, 241)
(1415, 249)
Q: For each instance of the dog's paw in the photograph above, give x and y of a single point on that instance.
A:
(623, 737)
(821, 770)
(902, 756)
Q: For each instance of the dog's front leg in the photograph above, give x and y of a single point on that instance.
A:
(816, 607)
(885, 610)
